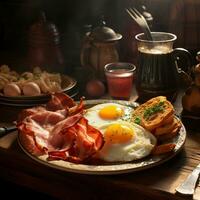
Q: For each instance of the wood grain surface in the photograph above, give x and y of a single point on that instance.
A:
(156, 183)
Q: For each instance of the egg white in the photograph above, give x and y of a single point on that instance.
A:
(138, 147)
(92, 114)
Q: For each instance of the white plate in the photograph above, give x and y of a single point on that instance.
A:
(119, 168)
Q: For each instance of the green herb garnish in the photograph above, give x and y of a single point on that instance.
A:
(137, 120)
(156, 108)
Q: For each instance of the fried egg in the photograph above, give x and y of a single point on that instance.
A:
(106, 113)
(125, 141)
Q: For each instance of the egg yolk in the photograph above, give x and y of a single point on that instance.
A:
(117, 133)
(110, 112)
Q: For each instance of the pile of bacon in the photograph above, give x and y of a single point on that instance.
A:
(59, 130)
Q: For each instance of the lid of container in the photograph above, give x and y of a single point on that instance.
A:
(147, 15)
(103, 33)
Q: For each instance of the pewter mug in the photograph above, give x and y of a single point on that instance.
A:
(157, 71)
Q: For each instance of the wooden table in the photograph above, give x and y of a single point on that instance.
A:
(156, 183)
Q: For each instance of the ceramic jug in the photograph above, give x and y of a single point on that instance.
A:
(44, 46)
(157, 70)
(99, 48)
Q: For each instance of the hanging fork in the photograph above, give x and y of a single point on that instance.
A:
(141, 21)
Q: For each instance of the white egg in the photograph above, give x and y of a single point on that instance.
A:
(125, 141)
(12, 90)
(106, 113)
(31, 89)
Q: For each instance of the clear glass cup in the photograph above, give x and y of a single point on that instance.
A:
(157, 71)
(119, 78)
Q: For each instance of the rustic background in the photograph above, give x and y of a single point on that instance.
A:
(70, 17)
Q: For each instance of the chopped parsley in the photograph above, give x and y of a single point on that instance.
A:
(137, 120)
(156, 108)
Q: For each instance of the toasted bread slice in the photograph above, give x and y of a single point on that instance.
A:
(170, 135)
(153, 113)
(170, 119)
(166, 128)
(163, 138)
(163, 148)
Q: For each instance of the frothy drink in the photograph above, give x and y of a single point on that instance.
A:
(157, 72)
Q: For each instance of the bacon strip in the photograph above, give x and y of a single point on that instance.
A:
(87, 141)
(64, 104)
(77, 108)
(30, 111)
(58, 137)
(59, 130)
(39, 135)
(47, 117)
(60, 101)
(38, 125)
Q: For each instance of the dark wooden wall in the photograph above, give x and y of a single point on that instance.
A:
(70, 16)
(17, 15)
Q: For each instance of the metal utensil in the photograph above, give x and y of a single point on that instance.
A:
(188, 186)
(141, 21)
(5, 130)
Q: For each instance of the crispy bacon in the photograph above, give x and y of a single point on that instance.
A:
(77, 108)
(58, 139)
(37, 132)
(59, 130)
(30, 111)
(47, 117)
(60, 101)
(85, 142)
(29, 144)
(39, 125)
